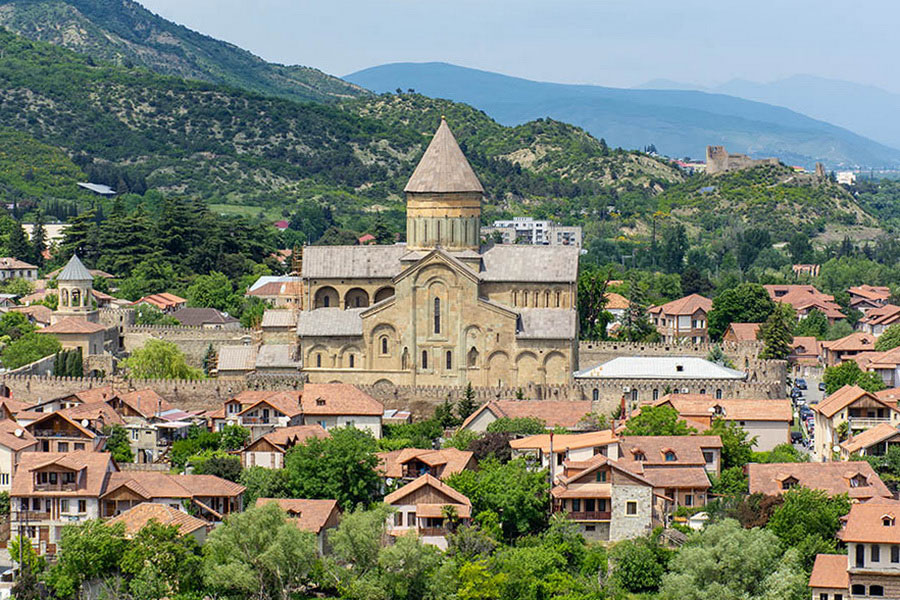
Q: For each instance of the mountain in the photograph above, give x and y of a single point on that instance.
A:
(137, 130)
(678, 123)
(124, 32)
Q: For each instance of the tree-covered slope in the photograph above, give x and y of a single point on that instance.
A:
(30, 169)
(124, 32)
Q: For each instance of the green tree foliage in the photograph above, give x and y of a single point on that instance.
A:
(639, 564)
(518, 426)
(518, 495)
(341, 466)
(636, 325)
(147, 314)
(218, 463)
(657, 420)
(737, 445)
(161, 563)
(197, 441)
(233, 437)
(17, 245)
(731, 483)
(14, 325)
(117, 443)
(90, 550)
(746, 303)
(800, 248)
(728, 561)
(849, 373)
(260, 554)
(211, 291)
(29, 348)
(148, 277)
(889, 339)
(592, 300)
(673, 248)
(262, 482)
(467, 404)
(159, 359)
(782, 453)
(22, 552)
(777, 333)
(420, 434)
(815, 325)
(806, 512)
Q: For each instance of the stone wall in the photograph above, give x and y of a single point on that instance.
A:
(593, 353)
(193, 341)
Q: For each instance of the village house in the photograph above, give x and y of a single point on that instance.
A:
(854, 406)
(278, 292)
(871, 442)
(805, 299)
(279, 326)
(884, 364)
(607, 500)
(877, 320)
(315, 516)
(429, 508)
(679, 467)
(166, 302)
(205, 318)
(829, 579)
(767, 420)
(136, 518)
(37, 314)
(60, 432)
(554, 413)
(11, 268)
(856, 479)
(551, 451)
(684, 319)
(269, 450)
(209, 497)
(806, 353)
(866, 297)
(14, 441)
(837, 351)
(411, 463)
(741, 333)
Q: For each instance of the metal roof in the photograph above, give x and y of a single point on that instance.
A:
(75, 271)
(659, 367)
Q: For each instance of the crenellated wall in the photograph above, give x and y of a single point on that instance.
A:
(193, 341)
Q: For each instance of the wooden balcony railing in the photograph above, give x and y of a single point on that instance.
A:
(590, 515)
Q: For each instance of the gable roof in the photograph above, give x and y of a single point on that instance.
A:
(338, 399)
(279, 318)
(735, 409)
(95, 465)
(564, 441)
(844, 397)
(9, 439)
(285, 436)
(830, 571)
(366, 262)
(145, 402)
(72, 325)
(857, 341)
(391, 463)
(238, 357)
(871, 292)
(869, 437)
(197, 317)
(688, 449)
(443, 168)
(616, 301)
(684, 306)
(282, 287)
(161, 301)
(864, 523)
(592, 464)
(554, 413)
(93, 411)
(60, 414)
(743, 332)
(526, 262)
(286, 402)
(158, 484)
(331, 322)
(309, 515)
(137, 517)
(547, 324)
(427, 481)
(832, 477)
(74, 271)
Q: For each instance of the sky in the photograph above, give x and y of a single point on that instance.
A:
(619, 43)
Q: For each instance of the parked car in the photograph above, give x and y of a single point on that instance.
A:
(796, 393)
(800, 383)
(796, 437)
(821, 386)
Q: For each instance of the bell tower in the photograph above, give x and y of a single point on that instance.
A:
(443, 198)
(76, 298)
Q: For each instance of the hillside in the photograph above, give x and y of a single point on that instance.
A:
(123, 32)
(678, 123)
(31, 170)
(232, 147)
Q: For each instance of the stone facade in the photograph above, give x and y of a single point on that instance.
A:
(192, 341)
(624, 526)
(719, 160)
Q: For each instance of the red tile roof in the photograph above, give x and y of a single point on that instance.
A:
(95, 465)
(743, 332)
(338, 399)
(391, 463)
(684, 306)
(830, 571)
(832, 477)
(9, 439)
(846, 396)
(72, 325)
(870, 437)
(137, 517)
(310, 515)
(866, 522)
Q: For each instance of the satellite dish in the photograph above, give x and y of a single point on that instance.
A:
(85, 422)
(18, 433)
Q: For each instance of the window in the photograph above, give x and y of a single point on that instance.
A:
(64, 505)
(709, 457)
(449, 359)
(858, 589)
(62, 446)
(595, 395)
(318, 360)
(134, 434)
(823, 596)
(656, 394)
(875, 553)
(688, 500)
(560, 458)
(576, 505)
(79, 446)
(437, 315)
(589, 505)
(352, 361)
(82, 506)
(384, 345)
(411, 519)
(590, 528)
(670, 456)
(398, 519)
(601, 476)
(424, 359)
(718, 394)
(876, 590)
(4, 478)
(631, 507)
(887, 521)
(838, 597)
(68, 477)
(640, 456)
(895, 554)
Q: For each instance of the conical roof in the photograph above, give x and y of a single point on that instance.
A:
(74, 271)
(444, 167)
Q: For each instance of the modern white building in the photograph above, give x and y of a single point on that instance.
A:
(525, 230)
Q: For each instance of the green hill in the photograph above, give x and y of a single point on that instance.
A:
(30, 170)
(125, 33)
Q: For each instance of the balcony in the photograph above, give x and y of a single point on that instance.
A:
(257, 421)
(49, 433)
(30, 515)
(867, 422)
(590, 515)
(432, 531)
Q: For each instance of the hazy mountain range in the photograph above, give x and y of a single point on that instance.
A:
(677, 122)
(864, 109)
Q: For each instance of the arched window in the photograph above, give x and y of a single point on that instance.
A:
(718, 394)
(384, 345)
(876, 590)
(319, 360)
(595, 395)
(437, 315)
(858, 589)
(404, 359)
(449, 359)
(473, 357)
(558, 305)
(670, 456)
(424, 359)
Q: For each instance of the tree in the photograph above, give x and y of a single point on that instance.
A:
(638, 565)
(18, 246)
(445, 415)
(694, 282)
(806, 512)
(815, 325)
(749, 244)
(38, 238)
(150, 276)
(467, 405)
(889, 339)
(657, 420)
(849, 373)
(732, 482)
(233, 437)
(777, 333)
(217, 463)
(27, 586)
(493, 445)
(147, 314)
(117, 443)
(636, 325)
(358, 539)
(82, 237)
(161, 562)
(211, 291)
(259, 554)
(159, 359)
(746, 303)
(74, 363)
(728, 561)
(262, 482)
(15, 325)
(518, 426)
(592, 300)
(519, 495)
(29, 348)
(736, 448)
(800, 248)
(673, 248)
(341, 466)
(89, 550)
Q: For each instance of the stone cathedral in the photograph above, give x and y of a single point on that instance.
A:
(440, 309)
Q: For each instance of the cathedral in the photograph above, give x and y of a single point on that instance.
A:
(440, 309)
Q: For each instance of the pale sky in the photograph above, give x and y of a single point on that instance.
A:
(605, 42)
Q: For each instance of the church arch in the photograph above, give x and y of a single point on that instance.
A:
(404, 359)
(326, 297)
(527, 364)
(349, 357)
(76, 297)
(356, 298)
(556, 369)
(317, 356)
(472, 358)
(498, 369)
(383, 294)
(64, 297)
